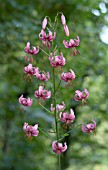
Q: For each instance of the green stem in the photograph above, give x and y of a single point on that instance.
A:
(55, 115)
(69, 132)
(44, 51)
(59, 159)
(43, 106)
(58, 86)
(44, 132)
(54, 90)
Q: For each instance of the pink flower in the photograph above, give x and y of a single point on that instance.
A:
(67, 118)
(43, 76)
(31, 70)
(89, 127)
(66, 29)
(72, 43)
(57, 61)
(31, 130)
(81, 95)
(24, 101)
(46, 39)
(44, 23)
(42, 94)
(58, 148)
(69, 76)
(63, 20)
(59, 107)
(34, 51)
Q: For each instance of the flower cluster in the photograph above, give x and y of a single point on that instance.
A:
(56, 62)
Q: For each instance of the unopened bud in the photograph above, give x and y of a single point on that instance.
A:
(66, 29)
(44, 23)
(63, 20)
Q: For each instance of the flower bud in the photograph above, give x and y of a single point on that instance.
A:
(66, 29)
(44, 23)
(63, 20)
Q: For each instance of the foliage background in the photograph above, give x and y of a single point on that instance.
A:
(20, 21)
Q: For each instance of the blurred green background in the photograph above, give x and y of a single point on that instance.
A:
(20, 22)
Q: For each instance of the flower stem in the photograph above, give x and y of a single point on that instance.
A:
(58, 86)
(54, 98)
(69, 132)
(44, 51)
(55, 115)
(44, 108)
(44, 132)
(59, 159)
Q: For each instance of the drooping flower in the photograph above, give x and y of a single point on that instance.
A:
(26, 102)
(34, 50)
(58, 148)
(59, 107)
(44, 23)
(42, 94)
(46, 39)
(31, 70)
(69, 76)
(67, 118)
(43, 76)
(72, 43)
(89, 127)
(66, 30)
(31, 130)
(63, 20)
(57, 61)
(81, 95)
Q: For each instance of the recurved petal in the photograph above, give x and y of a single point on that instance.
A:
(35, 127)
(49, 94)
(84, 129)
(60, 145)
(60, 114)
(25, 126)
(64, 148)
(20, 98)
(54, 145)
(79, 93)
(27, 46)
(87, 93)
(72, 114)
(35, 133)
(40, 89)
(94, 122)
